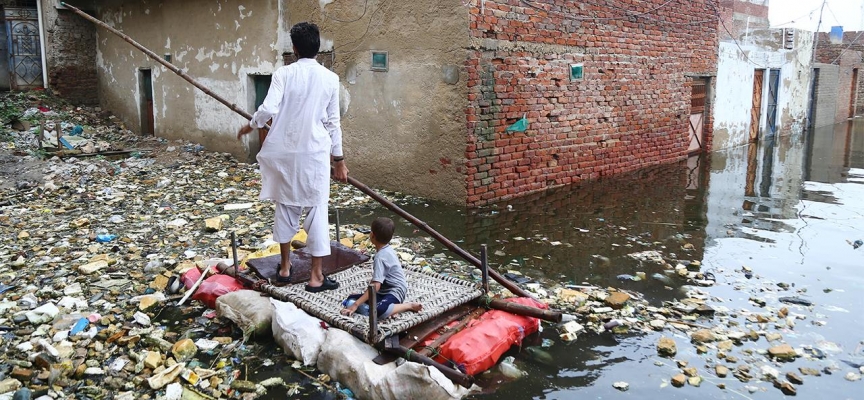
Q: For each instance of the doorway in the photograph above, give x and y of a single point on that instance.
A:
(698, 98)
(22, 47)
(853, 95)
(756, 110)
(773, 91)
(814, 90)
(145, 90)
(262, 86)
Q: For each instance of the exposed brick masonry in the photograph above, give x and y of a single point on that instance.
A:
(629, 111)
(848, 55)
(72, 58)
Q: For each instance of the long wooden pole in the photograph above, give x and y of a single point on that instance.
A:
(512, 287)
(159, 59)
(455, 375)
(520, 309)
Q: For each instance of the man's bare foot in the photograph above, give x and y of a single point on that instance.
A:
(285, 272)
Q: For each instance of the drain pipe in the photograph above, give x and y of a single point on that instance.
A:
(42, 44)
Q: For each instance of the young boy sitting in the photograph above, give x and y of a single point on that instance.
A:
(387, 276)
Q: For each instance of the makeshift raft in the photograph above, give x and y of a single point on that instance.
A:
(445, 301)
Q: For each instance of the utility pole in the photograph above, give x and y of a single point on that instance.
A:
(816, 34)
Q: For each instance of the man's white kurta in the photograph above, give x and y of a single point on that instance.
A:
(303, 102)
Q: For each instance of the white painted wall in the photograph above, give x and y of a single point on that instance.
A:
(762, 49)
(734, 98)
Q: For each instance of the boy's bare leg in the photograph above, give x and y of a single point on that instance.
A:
(398, 308)
(317, 278)
(285, 254)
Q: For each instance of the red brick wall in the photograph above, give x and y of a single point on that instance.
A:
(848, 55)
(629, 111)
(735, 13)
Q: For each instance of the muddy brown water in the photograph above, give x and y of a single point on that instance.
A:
(788, 207)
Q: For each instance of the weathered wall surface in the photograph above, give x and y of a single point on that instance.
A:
(762, 49)
(733, 97)
(740, 16)
(847, 56)
(629, 111)
(404, 128)
(826, 95)
(220, 43)
(70, 43)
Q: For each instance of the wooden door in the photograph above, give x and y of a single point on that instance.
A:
(756, 111)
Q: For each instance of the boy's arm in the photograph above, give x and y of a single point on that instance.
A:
(362, 300)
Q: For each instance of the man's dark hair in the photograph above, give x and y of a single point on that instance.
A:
(383, 229)
(306, 39)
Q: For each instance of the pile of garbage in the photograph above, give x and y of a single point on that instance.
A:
(91, 257)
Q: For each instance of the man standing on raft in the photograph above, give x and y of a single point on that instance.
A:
(295, 159)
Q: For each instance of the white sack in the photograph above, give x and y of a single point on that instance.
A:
(349, 361)
(248, 309)
(298, 333)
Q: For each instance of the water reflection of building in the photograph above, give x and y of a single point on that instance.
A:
(768, 193)
(594, 222)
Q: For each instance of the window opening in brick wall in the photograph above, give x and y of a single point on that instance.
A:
(380, 61)
(577, 72)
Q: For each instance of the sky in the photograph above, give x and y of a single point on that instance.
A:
(804, 14)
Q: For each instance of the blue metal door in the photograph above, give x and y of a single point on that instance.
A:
(773, 89)
(22, 39)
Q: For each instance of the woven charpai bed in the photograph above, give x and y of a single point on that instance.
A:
(437, 294)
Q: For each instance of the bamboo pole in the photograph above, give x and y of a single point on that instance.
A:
(455, 375)
(426, 351)
(512, 287)
(159, 59)
(519, 309)
(373, 314)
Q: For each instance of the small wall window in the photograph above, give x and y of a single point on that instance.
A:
(576, 72)
(380, 61)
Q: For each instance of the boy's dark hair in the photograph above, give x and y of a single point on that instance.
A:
(306, 39)
(383, 229)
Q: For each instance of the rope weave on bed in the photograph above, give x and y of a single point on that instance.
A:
(437, 293)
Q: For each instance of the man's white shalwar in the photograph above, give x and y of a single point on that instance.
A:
(303, 102)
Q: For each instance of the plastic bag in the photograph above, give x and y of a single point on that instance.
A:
(349, 361)
(298, 333)
(248, 309)
(479, 346)
(215, 286)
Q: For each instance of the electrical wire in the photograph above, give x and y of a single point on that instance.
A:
(366, 32)
(365, 8)
(853, 42)
(837, 20)
(798, 17)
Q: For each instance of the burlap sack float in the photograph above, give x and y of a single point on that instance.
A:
(349, 361)
(248, 309)
(299, 334)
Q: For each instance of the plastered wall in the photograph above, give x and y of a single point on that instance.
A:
(403, 128)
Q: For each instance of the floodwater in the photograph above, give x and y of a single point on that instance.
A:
(788, 207)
